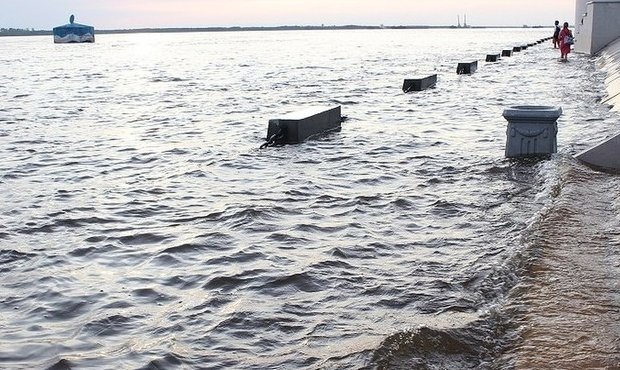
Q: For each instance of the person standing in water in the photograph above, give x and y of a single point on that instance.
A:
(556, 35)
(566, 40)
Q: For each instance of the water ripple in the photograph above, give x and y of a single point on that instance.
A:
(141, 227)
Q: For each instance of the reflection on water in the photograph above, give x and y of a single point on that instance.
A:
(141, 226)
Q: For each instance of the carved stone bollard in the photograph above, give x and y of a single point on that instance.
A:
(532, 130)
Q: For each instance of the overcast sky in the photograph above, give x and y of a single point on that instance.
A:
(112, 14)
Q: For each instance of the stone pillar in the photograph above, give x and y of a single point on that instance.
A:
(532, 130)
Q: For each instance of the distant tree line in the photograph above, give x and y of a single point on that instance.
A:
(32, 31)
(22, 32)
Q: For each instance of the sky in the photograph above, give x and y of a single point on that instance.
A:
(122, 14)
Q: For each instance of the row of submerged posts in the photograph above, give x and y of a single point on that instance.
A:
(531, 131)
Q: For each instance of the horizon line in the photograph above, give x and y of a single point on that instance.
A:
(25, 31)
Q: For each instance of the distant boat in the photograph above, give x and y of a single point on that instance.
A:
(73, 32)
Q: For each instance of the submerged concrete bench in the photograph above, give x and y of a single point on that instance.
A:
(507, 53)
(492, 57)
(419, 84)
(296, 127)
(516, 49)
(467, 68)
(604, 156)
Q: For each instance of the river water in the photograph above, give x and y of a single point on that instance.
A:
(142, 228)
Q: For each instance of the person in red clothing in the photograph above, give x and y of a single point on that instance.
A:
(566, 40)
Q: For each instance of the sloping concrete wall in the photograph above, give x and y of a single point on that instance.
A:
(606, 155)
(609, 61)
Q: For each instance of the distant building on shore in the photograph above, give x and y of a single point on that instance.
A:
(73, 32)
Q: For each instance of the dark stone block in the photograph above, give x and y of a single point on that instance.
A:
(507, 53)
(419, 84)
(467, 68)
(516, 49)
(492, 57)
(298, 126)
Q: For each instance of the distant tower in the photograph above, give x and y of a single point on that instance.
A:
(465, 21)
(458, 19)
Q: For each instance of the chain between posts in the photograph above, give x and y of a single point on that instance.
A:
(275, 139)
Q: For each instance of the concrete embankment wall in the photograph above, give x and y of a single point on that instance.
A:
(609, 61)
(597, 24)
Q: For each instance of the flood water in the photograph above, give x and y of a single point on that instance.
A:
(142, 228)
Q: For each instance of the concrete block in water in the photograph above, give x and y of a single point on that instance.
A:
(507, 53)
(492, 57)
(298, 126)
(73, 33)
(604, 156)
(420, 83)
(524, 47)
(532, 130)
(467, 68)
(516, 49)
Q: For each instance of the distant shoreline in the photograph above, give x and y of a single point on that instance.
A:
(25, 32)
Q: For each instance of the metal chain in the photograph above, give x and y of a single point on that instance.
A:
(274, 139)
